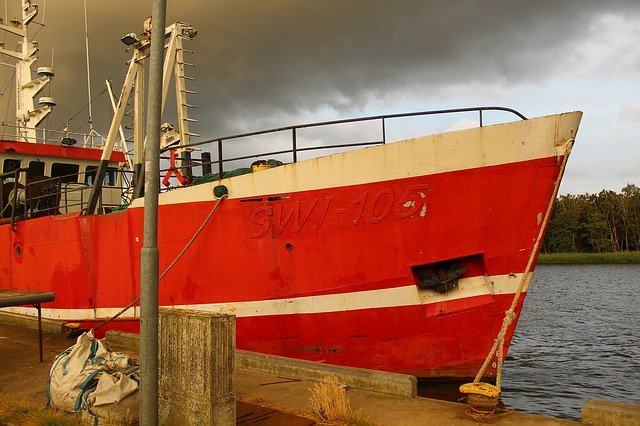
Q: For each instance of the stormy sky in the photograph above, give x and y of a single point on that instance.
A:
(279, 62)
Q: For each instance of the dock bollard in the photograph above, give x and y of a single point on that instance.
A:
(482, 397)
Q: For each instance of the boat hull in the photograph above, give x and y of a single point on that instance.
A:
(324, 259)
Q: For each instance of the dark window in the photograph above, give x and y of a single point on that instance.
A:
(66, 172)
(109, 177)
(36, 168)
(10, 165)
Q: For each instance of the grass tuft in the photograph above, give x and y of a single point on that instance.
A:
(330, 404)
(20, 411)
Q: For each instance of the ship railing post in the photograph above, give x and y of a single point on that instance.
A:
(295, 144)
(384, 132)
(220, 158)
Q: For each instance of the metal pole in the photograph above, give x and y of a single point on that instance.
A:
(149, 253)
(86, 44)
(38, 307)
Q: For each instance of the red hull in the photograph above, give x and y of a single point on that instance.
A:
(261, 250)
(328, 273)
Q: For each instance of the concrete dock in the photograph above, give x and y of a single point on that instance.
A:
(279, 394)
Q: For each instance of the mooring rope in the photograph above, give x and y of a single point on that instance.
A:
(166, 271)
(510, 315)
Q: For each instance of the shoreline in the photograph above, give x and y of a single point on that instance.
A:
(622, 257)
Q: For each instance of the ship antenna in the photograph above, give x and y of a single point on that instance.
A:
(86, 40)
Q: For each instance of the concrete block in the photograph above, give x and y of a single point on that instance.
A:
(598, 412)
(31, 322)
(402, 385)
(395, 384)
(122, 338)
(196, 368)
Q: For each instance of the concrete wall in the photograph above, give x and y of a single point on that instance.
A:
(26, 321)
(196, 368)
(357, 378)
(600, 413)
(401, 385)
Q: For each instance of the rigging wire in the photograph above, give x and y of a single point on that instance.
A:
(81, 110)
(166, 271)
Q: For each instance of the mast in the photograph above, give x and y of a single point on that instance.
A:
(133, 85)
(86, 45)
(28, 117)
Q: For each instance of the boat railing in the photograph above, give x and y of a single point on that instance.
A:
(295, 149)
(45, 196)
(53, 137)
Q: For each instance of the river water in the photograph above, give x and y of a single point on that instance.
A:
(578, 338)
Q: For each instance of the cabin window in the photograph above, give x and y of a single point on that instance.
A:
(109, 177)
(36, 168)
(68, 173)
(8, 166)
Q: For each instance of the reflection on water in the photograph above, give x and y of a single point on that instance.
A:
(578, 338)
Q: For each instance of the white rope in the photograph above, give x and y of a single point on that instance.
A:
(510, 315)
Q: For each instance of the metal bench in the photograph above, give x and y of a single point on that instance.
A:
(10, 297)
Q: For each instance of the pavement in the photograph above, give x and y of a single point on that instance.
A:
(262, 398)
(23, 375)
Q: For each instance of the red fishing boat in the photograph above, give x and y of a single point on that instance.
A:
(400, 256)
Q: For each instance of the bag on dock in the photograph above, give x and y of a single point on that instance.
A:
(90, 377)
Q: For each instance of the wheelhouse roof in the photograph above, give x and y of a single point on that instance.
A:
(59, 151)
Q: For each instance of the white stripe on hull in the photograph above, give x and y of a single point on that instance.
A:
(532, 139)
(372, 299)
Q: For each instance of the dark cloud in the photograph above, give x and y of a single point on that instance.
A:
(281, 58)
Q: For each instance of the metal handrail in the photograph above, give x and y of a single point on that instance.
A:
(63, 192)
(15, 174)
(294, 129)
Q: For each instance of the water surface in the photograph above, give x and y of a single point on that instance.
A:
(578, 338)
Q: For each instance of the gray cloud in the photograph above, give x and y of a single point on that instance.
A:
(256, 60)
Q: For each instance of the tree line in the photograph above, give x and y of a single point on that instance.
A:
(595, 223)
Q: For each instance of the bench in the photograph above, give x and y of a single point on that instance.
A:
(10, 297)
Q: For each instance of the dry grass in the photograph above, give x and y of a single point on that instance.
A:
(329, 400)
(330, 404)
(23, 412)
(253, 399)
(89, 420)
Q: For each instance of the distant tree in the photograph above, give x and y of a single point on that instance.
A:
(602, 222)
(563, 226)
(631, 195)
(593, 231)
